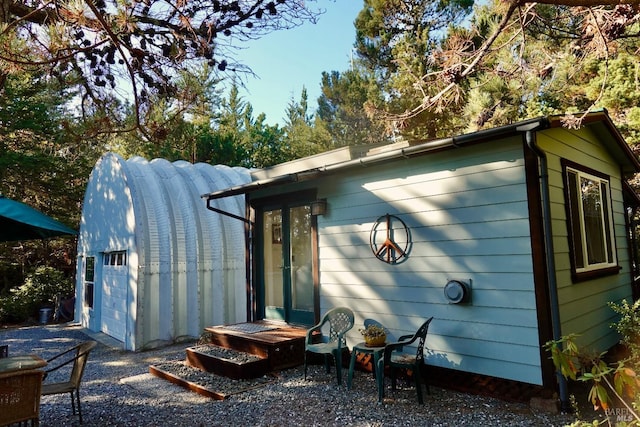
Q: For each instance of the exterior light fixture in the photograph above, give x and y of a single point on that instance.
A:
(319, 207)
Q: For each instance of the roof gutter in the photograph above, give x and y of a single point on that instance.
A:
(252, 186)
(530, 138)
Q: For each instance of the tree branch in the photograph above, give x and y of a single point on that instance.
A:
(468, 69)
(581, 3)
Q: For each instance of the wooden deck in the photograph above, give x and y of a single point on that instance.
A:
(281, 344)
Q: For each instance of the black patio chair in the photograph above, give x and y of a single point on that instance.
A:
(395, 359)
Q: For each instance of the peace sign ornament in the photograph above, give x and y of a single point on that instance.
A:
(389, 239)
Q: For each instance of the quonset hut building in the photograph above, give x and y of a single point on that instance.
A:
(155, 265)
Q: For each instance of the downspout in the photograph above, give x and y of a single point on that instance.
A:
(249, 233)
(530, 138)
(229, 214)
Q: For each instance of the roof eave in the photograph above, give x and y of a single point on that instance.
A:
(602, 125)
(405, 152)
(599, 121)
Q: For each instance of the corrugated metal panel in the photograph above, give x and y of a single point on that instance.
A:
(230, 245)
(182, 277)
(181, 231)
(155, 308)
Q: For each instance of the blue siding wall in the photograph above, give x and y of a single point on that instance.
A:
(468, 217)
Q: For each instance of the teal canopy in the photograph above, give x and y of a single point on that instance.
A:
(22, 222)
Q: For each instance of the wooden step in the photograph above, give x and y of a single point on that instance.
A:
(281, 344)
(165, 375)
(227, 362)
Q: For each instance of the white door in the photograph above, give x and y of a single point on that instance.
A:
(114, 294)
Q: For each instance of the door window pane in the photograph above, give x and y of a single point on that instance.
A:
(301, 262)
(272, 259)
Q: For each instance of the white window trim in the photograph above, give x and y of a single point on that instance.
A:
(88, 282)
(114, 259)
(583, 239)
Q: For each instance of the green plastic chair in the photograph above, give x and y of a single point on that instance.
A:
(395, 359)
(340, 320)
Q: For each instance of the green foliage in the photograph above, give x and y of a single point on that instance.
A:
(45, 159)
(630, 126)
(609, 383)
(615, 82)
(264, 144)
(398, 42)
(382, 25)
(342, 108)
(628, 326)
(39, 290)
(303, 137)
(541, 62)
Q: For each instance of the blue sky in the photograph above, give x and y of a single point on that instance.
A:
(288, 60)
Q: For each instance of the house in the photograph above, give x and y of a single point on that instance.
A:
(508, 237)
(153, 264)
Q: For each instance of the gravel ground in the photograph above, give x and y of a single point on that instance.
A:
(118, 391)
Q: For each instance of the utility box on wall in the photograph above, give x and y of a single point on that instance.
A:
(458, 291)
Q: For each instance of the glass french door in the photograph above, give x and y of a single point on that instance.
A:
(287, 264)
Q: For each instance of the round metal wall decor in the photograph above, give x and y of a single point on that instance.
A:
(389, 239)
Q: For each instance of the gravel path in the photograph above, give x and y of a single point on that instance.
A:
(118, 391)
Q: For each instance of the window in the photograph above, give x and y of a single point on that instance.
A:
(89, 273)
(590, 222)
(115, 258)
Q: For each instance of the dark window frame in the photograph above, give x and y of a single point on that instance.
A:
(581, 268)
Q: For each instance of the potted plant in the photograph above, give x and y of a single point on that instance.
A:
(374, 335)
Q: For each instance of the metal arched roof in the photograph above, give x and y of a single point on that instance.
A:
(186, 264)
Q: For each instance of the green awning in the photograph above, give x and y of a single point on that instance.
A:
(22, 222)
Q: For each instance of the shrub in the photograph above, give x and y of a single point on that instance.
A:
(629, 327)
(619, 381)
(39, 290)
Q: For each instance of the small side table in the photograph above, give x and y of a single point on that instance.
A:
(362, 348)
(21, 363)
